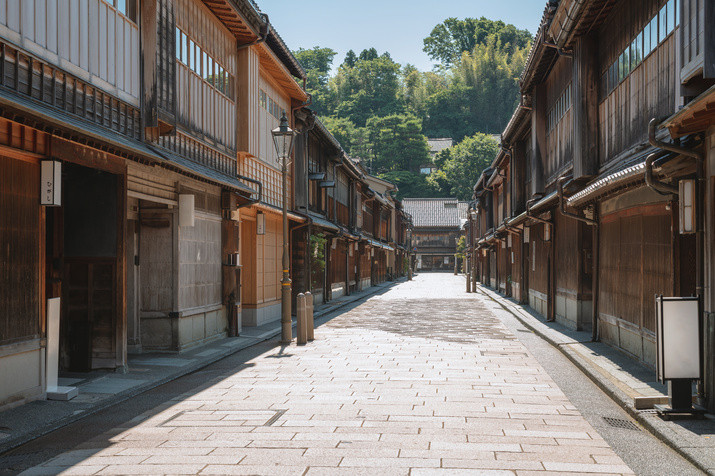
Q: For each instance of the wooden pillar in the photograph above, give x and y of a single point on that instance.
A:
(584, 86)
(538, 140)
(121, 274)
(149, 29)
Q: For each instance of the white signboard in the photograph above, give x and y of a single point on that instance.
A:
(260, 223)
(51, 183)
(677, 338)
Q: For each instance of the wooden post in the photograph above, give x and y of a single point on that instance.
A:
(302, 319)
(149, 28)
(585, 107)
(309, 315)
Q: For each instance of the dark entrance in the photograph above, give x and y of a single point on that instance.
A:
(83, 241)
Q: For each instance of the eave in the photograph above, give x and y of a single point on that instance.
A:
(575, 18)
(277, 70)
(696, 116)
(239, 16)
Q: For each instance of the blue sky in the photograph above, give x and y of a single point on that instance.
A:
(397, 26)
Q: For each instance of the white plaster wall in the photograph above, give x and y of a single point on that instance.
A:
(22, 374)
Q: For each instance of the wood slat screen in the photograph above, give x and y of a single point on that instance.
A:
(30, 77)
(539, 251)
(20, 253)
(635, 263)
(338, 262)
(567, 253)
(648, 91)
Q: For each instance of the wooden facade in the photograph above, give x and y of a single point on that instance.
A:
(597, 240)
(346, 208)
(138, 105)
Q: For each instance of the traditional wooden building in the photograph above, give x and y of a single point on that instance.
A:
(154, 120)
(99, 118)
(325, 183)
(436, 229)
(587, 209)
(269, 85)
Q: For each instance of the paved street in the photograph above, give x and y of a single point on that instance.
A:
(423, 379)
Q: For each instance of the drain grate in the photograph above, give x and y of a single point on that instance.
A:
(620, 423)
(238, 417)
(274, 418)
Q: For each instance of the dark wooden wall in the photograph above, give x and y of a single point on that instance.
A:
(566, 255)
(648, 91)
(636, 262)
(539, 252)
(559, 136)
(20, 250)
(338, 261)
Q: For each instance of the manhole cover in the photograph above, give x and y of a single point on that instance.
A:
(620, 423)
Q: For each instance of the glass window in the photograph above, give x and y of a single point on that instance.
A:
(654, 33)
(676, 16)
(615, 74)
(178, 43)
(639, 48)
(190, 63)
(210, 74)
(634, 55)
(121, 6)
(197, 59)
(646, 40)
(184, 50)
(662, 23)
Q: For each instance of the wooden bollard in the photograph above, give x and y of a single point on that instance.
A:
(301, 312)
(309, 316)
(469, 282)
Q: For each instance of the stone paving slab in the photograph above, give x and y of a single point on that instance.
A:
(622, 379)
(432, 384)
(101, 389)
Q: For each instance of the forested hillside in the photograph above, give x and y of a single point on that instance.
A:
(383, 112)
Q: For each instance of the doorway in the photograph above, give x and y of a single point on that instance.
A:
(83, 244)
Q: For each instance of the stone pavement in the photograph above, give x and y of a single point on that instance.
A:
(102, 389)
(625, 381)
(421, 380)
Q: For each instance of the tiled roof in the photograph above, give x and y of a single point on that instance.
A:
(433, 212)
(438, 145)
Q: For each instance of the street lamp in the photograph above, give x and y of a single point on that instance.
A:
(283, 140)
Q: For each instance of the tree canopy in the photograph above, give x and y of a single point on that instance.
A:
(383, 112)
(453, 37)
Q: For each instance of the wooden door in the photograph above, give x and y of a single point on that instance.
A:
(89, 312)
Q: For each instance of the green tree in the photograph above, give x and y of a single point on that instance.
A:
(482, 93)
(370, 88)
(350, 59)
(462, 165)
(317, 62)
(411, 184)
(398, 143)
(452, 37)
(342, 129)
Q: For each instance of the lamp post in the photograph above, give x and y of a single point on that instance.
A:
(283, 140)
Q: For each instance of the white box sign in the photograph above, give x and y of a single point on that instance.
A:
(51, 183)
(677, 338)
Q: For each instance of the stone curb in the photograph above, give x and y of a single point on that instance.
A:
(14, 443)
(651, 422)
